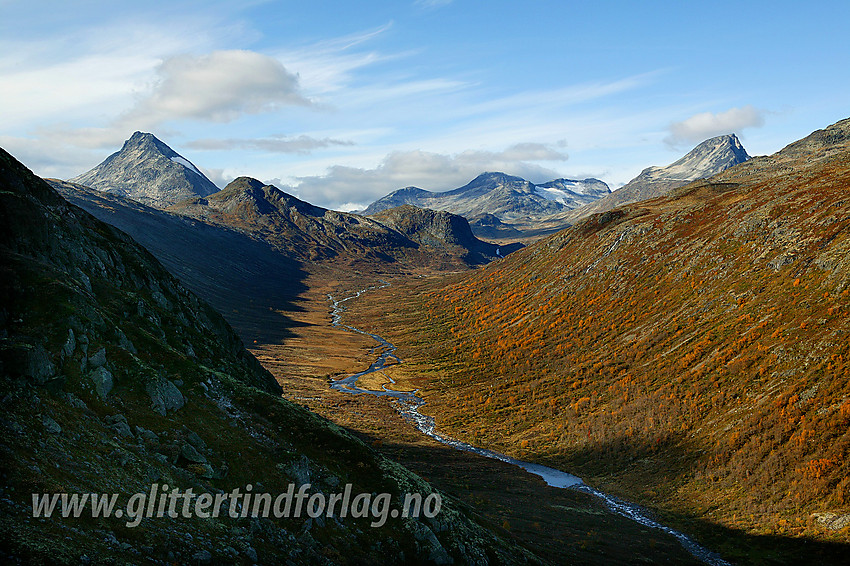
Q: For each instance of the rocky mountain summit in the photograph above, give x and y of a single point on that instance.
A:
(708, 158)
(497, 204)
(147, 170)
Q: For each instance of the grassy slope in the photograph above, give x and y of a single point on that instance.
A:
(689, 352)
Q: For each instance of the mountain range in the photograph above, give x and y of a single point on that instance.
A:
(146, 170)
(503, 207)
(499, 205)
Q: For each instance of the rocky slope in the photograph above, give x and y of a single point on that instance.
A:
(291, 225)
(442, 231)
(115, 377)
(708, 158)
(312, 233)
(148, 171)
(499, 205)
(689, 352)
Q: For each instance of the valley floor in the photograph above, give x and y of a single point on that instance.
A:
(556, 524)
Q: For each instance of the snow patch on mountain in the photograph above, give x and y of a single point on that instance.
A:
(187, 164)
(557, 195)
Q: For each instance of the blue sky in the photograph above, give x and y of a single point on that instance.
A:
(343, 102)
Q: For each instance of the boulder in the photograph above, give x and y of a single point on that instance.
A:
(103, 381)
(165, 396)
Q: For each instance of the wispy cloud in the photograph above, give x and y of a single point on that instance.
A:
(328, 66)
(300, 144)
(704, 125)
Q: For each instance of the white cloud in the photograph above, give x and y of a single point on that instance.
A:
(221, 86)
(62, 161)
(218, 87)
(301, 144)
(700, 127)
(352, 187)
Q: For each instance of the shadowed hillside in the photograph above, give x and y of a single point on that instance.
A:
(248, 281)
(115, 377)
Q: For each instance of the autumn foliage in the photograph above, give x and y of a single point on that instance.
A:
(693, 353)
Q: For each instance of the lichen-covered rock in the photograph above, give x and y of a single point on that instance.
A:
(118, 423)
(428, 539)
(102, 380)
(164, 396)
(70, 344)
(190, 453)
(98, 359)
(50, 425)
(39, 367)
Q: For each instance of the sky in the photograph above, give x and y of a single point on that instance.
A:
(341, 103)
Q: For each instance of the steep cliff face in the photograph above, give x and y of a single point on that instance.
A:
(147, 170)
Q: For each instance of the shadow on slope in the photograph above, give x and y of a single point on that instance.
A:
(246, 280)
(563, 526)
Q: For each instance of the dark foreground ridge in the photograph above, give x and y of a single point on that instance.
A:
(116, 377)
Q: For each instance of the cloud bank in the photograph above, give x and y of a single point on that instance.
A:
(354, 187)
(218, 87)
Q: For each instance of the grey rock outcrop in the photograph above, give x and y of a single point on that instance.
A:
(102, 380)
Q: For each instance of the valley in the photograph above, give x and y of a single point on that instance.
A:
(685, 353)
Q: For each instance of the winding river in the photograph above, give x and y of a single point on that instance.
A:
(408, 403)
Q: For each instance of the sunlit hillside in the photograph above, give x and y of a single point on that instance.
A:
(691, 352)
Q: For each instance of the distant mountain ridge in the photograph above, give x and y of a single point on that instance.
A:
(147, 170)
(709, 158)
(310, 232)
(296, 227)
(496, 202)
